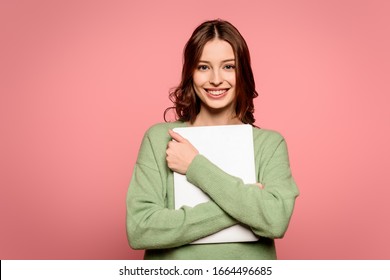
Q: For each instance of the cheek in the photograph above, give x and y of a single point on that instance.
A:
(199, 79)
(231, 79)
(196, 84)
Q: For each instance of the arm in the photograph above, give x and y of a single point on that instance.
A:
(267, 211)
(150, 224)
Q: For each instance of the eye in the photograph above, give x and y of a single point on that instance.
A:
(230, 67)
(203, 67)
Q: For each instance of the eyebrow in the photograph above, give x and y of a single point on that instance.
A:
(226, 60)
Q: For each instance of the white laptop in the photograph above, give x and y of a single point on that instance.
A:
(230, 147)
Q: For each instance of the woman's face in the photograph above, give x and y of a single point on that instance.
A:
(215, 77)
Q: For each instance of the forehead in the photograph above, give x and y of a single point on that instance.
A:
(217, 50)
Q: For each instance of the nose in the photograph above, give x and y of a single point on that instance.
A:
(216, 78)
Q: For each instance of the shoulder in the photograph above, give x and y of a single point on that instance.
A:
(157, 134)
(267, 135)
(161, 129)
(154, 143)
(267, 141)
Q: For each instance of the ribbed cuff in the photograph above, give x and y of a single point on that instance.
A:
(196, 169)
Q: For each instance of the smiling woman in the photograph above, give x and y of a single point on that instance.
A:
(217, 88)
(215, 45)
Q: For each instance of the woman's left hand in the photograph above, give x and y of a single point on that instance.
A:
(180, 153)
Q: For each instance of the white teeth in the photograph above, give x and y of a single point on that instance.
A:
(217, 92)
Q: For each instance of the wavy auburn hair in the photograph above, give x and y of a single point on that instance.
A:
(186, 102)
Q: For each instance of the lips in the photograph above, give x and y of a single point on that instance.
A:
(216, 93)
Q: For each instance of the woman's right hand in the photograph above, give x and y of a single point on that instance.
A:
(180, 153)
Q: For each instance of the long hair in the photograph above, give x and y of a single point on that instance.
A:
(186, 103)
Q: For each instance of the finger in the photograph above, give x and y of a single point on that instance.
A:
(260, 185)
(176, 136)
(170, 143)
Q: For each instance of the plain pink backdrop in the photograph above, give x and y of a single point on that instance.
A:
(81, 81)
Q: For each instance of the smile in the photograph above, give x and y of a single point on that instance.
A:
(216, 92)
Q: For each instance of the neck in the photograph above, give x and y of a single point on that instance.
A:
(205, 118)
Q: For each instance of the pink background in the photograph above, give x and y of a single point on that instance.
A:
(81, 81)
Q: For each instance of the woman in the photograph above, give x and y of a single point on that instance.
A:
(217, 88)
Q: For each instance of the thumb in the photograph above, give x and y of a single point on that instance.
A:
(176, 136)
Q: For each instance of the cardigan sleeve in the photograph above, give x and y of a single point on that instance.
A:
(266, 211)
(151, 224)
